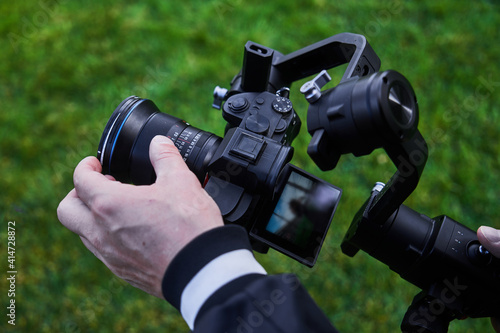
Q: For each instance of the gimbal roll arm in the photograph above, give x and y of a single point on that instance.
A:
(329, 53)
(410, 158)
(265, 69)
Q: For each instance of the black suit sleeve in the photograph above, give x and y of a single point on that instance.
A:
(218, 287)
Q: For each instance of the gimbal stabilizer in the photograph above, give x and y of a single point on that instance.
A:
(369, 110)
(458, 277)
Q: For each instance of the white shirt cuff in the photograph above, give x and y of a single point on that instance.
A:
(218, 272)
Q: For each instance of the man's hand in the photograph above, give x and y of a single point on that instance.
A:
(137, 230)
(490, 238)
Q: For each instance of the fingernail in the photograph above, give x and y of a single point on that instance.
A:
(162, 139)
(491, 234)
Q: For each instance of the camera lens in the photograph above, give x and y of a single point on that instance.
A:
(124, 147)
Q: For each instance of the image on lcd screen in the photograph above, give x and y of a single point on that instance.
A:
(303, 210)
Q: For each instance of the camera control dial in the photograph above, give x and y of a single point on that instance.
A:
(282, 104)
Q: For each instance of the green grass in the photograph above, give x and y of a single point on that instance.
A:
(65, 66)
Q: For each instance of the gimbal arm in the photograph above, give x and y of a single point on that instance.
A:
(329, 53)
(410, 158)
(267, 69)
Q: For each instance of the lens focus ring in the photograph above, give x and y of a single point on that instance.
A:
(124, 147)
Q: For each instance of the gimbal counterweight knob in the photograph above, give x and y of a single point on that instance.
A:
(219, 95)
(312, 89)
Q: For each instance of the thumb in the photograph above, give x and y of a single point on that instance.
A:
(490, 238)
(165, 157)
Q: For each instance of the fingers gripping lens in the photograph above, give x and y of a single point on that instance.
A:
(124, 146)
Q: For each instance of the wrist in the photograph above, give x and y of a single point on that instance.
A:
(211, 260)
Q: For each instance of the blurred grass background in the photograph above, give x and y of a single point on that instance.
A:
(65, 66)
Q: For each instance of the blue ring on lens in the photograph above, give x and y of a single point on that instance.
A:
(120, 129)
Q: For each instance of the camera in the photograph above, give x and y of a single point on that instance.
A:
(247, 171)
